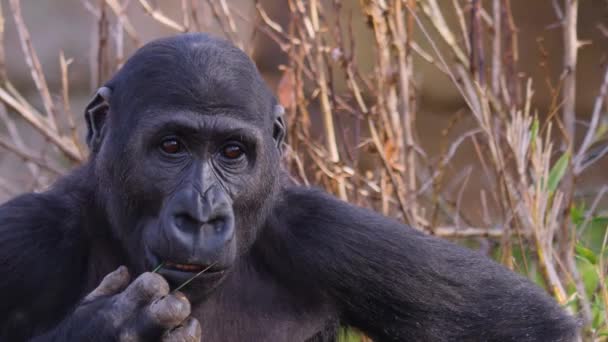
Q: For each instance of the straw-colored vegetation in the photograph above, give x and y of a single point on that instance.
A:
(369, 151)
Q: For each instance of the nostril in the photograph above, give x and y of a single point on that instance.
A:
(185, 221)
(218, 224)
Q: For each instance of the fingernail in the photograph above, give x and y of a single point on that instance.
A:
(180, 296)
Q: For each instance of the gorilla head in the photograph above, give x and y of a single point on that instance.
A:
(203, 135)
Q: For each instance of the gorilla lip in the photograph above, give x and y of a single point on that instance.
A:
(187, 267)
(182, 274)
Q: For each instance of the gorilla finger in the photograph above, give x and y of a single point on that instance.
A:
(113, 283)
(189, 331)
(146, 287)
(161, 315)
(168, 311)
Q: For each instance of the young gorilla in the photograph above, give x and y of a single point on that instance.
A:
(184, 173)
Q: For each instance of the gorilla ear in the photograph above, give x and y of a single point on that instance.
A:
(95, 115)
(279, 129)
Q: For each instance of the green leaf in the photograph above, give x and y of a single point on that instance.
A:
(577, 214)
(557, 172)
(586, 253)
(534, 130)
(599, 221)
(534, 133)
(601, 131)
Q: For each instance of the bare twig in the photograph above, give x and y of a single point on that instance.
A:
(221, 20)
(571, 45)
(462, 232)
(566, 241)
(328, 118)
(120, 12)
(590, 136)
(476, 63)
(29, 156)
(433, 12)
(186, 14)
(40, 124)
(15, 135)
(67, 109)
(231, 24)
(401, 38)
(103, 45)
(497, 47)
(161, 17)
(34, 63)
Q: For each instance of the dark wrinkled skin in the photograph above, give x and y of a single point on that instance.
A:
(166, 184)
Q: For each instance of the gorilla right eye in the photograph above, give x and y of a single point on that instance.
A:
(171, 146)
(232, 151)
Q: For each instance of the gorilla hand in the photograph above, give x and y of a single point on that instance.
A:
(141, 311)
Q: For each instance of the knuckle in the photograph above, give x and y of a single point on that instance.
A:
(114, 280)
(170, 310)
(195, 327)
(179, 305)
(152, 283)
(111, 284)
(121, 274)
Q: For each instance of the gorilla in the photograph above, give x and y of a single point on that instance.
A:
(182, 226)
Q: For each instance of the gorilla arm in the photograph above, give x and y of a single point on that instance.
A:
(397, 284)
(40, 263)
(43, 259)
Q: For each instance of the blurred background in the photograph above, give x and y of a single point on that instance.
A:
(480, 121)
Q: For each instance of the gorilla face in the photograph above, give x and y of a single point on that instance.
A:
(201, 165)
(197, 157)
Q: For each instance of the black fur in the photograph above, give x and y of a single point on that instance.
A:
(292, 264)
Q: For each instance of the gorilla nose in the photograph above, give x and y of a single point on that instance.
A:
(190, 223)
(204, 222)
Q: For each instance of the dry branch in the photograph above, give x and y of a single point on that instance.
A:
(159, 16)
(34, 64)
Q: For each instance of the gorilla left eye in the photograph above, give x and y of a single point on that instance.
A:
(232, 151)
(171, 146)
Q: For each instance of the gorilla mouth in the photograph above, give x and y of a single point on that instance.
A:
(179, 275)
(194, 268)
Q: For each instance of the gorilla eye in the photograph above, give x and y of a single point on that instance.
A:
(171, 146)
(232, 151)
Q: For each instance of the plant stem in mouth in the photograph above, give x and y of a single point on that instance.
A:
(158, 267)
(193, 277)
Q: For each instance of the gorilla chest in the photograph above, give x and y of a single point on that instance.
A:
(251, 308)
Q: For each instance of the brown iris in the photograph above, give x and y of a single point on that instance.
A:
(171, 146)
(232, 151)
